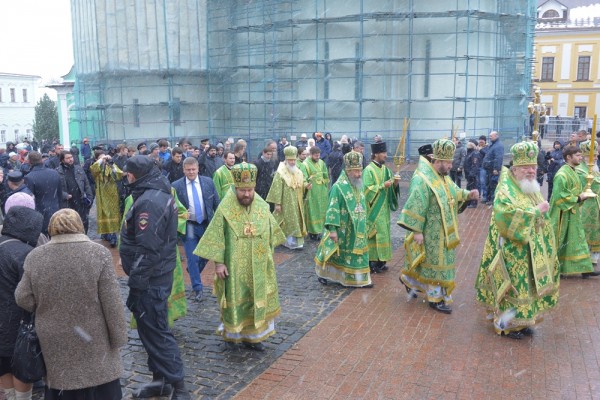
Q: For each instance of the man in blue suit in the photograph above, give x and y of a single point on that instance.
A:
(199, 195)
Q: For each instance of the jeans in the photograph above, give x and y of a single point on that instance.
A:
(483, 183)
(195, 264)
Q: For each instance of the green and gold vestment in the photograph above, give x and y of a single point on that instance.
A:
(244, 239)
(380, 201)
(315, 173)
(431, 209)
(519, 270)
(223, 180)
(347, 261)
(590, 209)
(287, 190)
(107, 196)
(573, 252)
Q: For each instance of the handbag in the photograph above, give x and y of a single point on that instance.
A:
(28, 362)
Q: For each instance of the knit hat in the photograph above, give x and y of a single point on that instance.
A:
(353, 160)
(443, 150)
(290, 153)
(153, 146)
(244, 175)
(524, 153)
(19, 199)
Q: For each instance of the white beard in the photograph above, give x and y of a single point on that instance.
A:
(529, 186)
(595, 168)
(356, 182)
(292, 168)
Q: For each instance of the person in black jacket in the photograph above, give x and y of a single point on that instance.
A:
(46, 187)
(148, 256)
(20, 232)
(335, 162)
(472, 165)
(555, 160)
(173, 169)
(266, 167)
(76, 189)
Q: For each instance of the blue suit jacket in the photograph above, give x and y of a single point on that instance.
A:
(209, 195)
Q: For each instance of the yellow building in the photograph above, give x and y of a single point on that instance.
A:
(567, 50)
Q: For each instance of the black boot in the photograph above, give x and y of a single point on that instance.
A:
(156, 388)
(441, 307)
(180, 392)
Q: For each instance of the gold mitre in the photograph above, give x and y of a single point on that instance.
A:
(586, 146)
(524, 153)
(443, 149)
(290, 153)
(353, 160)
(244, 175)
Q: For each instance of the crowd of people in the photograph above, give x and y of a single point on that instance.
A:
(225, 209)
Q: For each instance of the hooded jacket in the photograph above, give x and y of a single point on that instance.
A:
(23, 225)
(149, 232)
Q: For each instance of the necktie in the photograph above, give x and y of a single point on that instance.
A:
(197, 204)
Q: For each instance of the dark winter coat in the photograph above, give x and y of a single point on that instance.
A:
(494, 156)
(264, 176)
(46, 187)
(325, 147)
(173, 171)
(149, 234)
(472, 163)
(335, 163)
(82, 183)
(208, 165)
(458, 162)
(555, 160)
(7, 193)
(24, 225)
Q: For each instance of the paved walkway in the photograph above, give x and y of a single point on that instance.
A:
(378, 344)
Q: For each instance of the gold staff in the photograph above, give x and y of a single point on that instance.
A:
(400, 155)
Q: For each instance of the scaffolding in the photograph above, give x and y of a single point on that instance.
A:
(354, 67)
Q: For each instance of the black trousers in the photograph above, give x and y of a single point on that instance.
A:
(149, 308)
(107, 391)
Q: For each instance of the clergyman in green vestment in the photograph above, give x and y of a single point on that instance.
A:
(106, 175)
(381, 195)
(222, 177)
(343, 253)
(241, 240)
(566, 200)
(315, 173)
(430, 216)
(518, 278)
(287, 195)
(590, 209)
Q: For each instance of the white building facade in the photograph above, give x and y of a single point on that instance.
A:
(17, 107)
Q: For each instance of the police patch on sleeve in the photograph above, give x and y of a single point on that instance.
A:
(143, 221)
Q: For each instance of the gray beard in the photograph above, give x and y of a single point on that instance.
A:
(356, 182)
(292, 168)
(595, 168)
(529, 187)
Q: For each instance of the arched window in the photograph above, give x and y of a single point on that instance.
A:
(551, 14)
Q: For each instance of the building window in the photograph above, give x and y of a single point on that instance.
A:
(24, 95)
(3, 136)
(17, 135)
(551, 14)
(583, 68)
(136, 113)
(176, 108)
(12, 95)
(28, 131)
(547, 69)
(580, 112)
(427, 68)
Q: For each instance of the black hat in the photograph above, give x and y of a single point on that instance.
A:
(15, 176)
(204, 141)
(140, 145)
(425, 150)
(139, 166)
(379, 147)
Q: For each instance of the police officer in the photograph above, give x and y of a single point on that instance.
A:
(148, 254)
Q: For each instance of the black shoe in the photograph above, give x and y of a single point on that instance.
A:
(373, 267)
(517, 335)
(369, 286)
(586, 275)
(382, 266)
(323, 281)
(156, 388)
(254, 346)
(527, 331)
(198, 296)
(180, 392)
(441, 307)
(410, 291)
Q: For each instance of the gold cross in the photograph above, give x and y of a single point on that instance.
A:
(249, 229)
